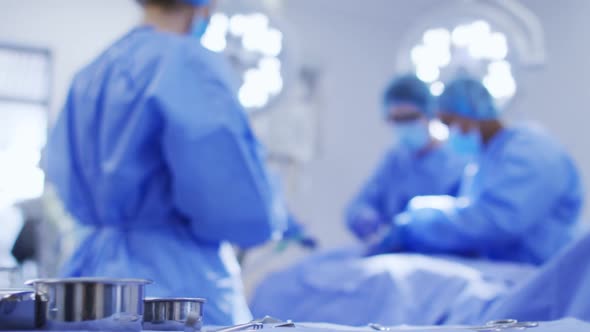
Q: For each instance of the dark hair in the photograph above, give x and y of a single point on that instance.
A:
(161, 3)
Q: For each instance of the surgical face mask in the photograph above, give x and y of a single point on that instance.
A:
(467, 144)
(412, 135)
(199, 26)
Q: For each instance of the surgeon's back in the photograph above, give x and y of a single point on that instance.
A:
(113, 136)
(154, 154)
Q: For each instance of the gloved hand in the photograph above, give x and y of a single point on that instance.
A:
(392, 241)
(440, 202)
(296, 233)
(364, 222)
(305, 241)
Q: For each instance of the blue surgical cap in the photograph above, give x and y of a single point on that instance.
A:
(190, 2)
(468, 97)
(197, 2)
(408, 89)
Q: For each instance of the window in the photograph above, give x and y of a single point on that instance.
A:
(24, 96)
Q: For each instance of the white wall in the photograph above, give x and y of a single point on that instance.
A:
(74, 30)
(354, 42)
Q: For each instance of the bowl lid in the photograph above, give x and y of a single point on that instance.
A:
(15, 293)
(89, 280)
(174, 299)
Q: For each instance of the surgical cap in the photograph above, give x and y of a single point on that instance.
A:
(190, 2)
(197, 2)
(468, 97)
(408, 89)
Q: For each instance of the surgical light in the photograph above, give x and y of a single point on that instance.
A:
(473, 47)
(438, 130)
(255, 47)
(499, 80)
(427, 73)
(437, 88)
(492, 47)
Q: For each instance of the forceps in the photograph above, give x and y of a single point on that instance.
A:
(493, 326)
(504, 324)
(257, 324)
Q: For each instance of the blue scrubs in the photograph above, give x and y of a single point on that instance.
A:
(403, 175)
(520, 204)
(154, 154)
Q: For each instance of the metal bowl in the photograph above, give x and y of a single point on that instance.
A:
(89, 304)
(173, 314)
(17, 309)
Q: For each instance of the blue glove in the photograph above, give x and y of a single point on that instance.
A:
(296, 233)
(305, 241)
(392, 241)
(309, 242)
(364, 222)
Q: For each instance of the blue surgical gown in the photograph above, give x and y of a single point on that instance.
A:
(403, 175)
(520, 203)
(154, 154)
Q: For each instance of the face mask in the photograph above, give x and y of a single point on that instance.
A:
(413, 136)
(199, 26)
(469, 144)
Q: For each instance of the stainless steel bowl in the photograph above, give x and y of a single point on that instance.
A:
(17, 309)
(89, 304)
(173, 314)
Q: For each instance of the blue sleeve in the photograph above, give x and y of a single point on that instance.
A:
(61, 165)
(374, 192)
(294, 228)
(219, 179)
(517, 194)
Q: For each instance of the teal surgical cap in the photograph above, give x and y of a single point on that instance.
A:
(408, 89)
(190, 2)
(197, 2)
(468, 97)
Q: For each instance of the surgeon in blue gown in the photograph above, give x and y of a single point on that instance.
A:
(417, 164)
(519, 202)
(343, 286)
(153, 153)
